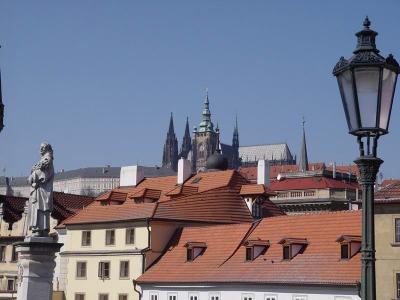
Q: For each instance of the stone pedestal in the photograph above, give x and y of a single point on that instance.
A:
(36, 262)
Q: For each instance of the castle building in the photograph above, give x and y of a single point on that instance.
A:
(204, 142)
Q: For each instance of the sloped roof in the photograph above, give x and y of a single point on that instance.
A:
(267, 151)
(221, 205)
(224, 259)
(128, 211)
(255, 189)
(304, 183)
(64, 205)
(389, 190)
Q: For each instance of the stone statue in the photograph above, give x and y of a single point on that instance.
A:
(41, 196)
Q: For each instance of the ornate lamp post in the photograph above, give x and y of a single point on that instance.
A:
(367, 83)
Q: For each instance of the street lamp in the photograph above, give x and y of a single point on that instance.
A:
(367, 82)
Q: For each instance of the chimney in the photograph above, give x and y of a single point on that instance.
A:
(263, 172)
(184, 170)
(131, 175)
(334, 170)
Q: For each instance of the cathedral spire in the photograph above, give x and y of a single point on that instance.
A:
(171, 125)
(186, 142)
(303, 162)
(170, 152)
(206, 124)
(235, 139)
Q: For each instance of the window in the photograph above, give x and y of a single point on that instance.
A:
(14, 255)
(122, 297)
(10, 285)
(104, 269)
(398, 285)
(110, 237)
(194, 249)
(397, 231)
(249, 253)
(193, 296)
(153, 296)
(103, 296)
(81, 269)
(247, 296)
(86, 238)
(79, 296)
(172, 296)
(124, 269)
(344, 251)
(2, 253)
(271, 297)
(214, 296)
(286, 252)
(130, 236)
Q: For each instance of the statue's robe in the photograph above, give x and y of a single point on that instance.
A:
(41, 197)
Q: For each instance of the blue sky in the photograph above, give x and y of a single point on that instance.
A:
(98, 79)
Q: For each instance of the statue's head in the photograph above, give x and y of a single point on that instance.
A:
(45, 148)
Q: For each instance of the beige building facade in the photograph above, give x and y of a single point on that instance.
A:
(104, 257)
(387, 241)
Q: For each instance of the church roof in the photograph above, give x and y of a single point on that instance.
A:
(266, 151)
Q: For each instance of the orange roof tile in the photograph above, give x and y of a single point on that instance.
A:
(255, 189)
(304, 183)
(222, 205)
(224, 259)
(112, 213)
(161, 184)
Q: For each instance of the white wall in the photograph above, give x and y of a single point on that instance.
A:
(260, 292)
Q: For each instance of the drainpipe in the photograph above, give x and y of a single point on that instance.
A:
(134, 281)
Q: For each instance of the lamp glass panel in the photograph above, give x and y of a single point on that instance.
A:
(388, 82)
(346, 87)
(367, 83)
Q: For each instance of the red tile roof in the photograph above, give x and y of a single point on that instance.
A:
(206, 197)
(64, 205)
(250, 173)
(222, 205)
(224, 259)
(304, 183)
(255, 189)
(128, 211)
(388, 190)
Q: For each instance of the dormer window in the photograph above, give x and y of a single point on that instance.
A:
(255, 248)
(349, 246)
(291, 247)
(194, 249)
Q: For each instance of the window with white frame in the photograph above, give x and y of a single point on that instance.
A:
(172, 296)
(247, 296)
(122, 297)
(81, 269)
(110, 237)
(86, 238)
(10, 285)
(193, 296)
(130, 236)
(214, 296)
(271, 297)
(299, 297)
(103, 296)
(80, 296)
(124, 269)
(153, 296)
(104, 269)
(397, 230)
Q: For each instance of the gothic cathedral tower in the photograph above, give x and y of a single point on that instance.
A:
(204, 139)
(170, 153)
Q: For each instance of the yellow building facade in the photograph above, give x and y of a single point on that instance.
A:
(387, 241)
(103, 259)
